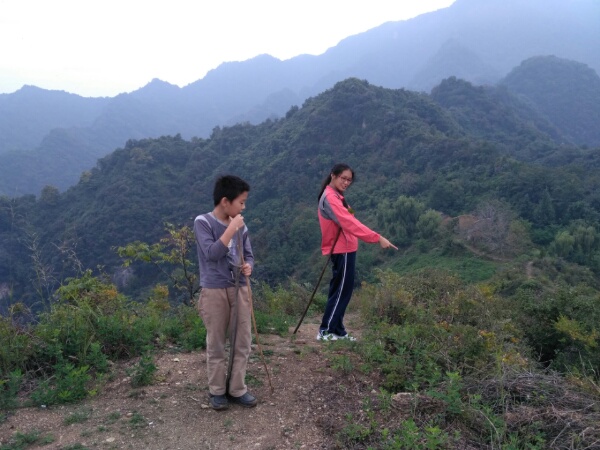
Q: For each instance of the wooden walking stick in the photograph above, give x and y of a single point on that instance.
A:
(233, 324)
(262, 356)
(234, 327)
(319, 281)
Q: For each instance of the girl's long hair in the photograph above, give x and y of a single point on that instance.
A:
(335, 170)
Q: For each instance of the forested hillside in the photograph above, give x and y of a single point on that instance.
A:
(566, 92)
(408, 152)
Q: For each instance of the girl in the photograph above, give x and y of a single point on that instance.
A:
(340, 231)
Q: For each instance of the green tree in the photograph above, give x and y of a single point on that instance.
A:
(428, 224)
(171, 255)
(50, 196)
(586, 242)
(544, 212)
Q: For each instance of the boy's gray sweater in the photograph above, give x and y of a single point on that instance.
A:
(216, 261)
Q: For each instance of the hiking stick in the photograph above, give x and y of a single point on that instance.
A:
(233, 324)
(318, 282)
(262, 355)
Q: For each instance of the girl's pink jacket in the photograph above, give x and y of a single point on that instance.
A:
(333, 215)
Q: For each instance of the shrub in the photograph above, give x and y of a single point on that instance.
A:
(277, 310)
(290, 300)
(426, 324)
(84, 309)
(560, 322)
(67, 385)
(9, 388)
(185, 328)
(16, 347)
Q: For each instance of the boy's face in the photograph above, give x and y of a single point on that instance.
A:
(235, 207)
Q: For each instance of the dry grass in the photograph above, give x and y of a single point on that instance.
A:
(566, 412)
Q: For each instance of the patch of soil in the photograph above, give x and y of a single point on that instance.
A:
(311, 402)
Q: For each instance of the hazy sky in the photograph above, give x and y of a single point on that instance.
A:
(105, 47)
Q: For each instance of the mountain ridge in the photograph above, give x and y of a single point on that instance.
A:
(416, 54)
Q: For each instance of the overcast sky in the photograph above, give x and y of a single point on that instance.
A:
(105, 47)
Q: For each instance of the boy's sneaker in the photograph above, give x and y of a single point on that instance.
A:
(218, 402)
(248, 400)
(324, 335)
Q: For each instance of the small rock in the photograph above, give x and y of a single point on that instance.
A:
(110, 439)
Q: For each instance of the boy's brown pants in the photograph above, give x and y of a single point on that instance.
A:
(216, 309)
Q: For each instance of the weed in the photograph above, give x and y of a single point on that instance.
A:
(68, 385)
(343, 363)
(410, 436)
(77, 417)
(137, 420)
(96, 359)
(451, 393)
(353, 433)
(384, 400)
(21, 441)
(113, 417)
(142, 374)
(267, 323)
(137, 393)
(251, 380)
(47, 439)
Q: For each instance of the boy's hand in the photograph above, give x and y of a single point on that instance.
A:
(237, 222)
(246, 270)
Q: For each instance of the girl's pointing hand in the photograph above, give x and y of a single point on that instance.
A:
(384, 243)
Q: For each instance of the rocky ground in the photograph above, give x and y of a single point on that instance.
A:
(311, 401)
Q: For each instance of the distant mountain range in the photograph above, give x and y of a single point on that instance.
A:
(51, 137)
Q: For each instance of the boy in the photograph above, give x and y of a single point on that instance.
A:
(225, 260)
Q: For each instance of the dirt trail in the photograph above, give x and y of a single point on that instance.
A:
(173, 413)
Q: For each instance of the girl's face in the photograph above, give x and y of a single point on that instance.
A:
(236, 206)
(342, 181)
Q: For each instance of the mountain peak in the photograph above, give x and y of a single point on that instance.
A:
(155, 89)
